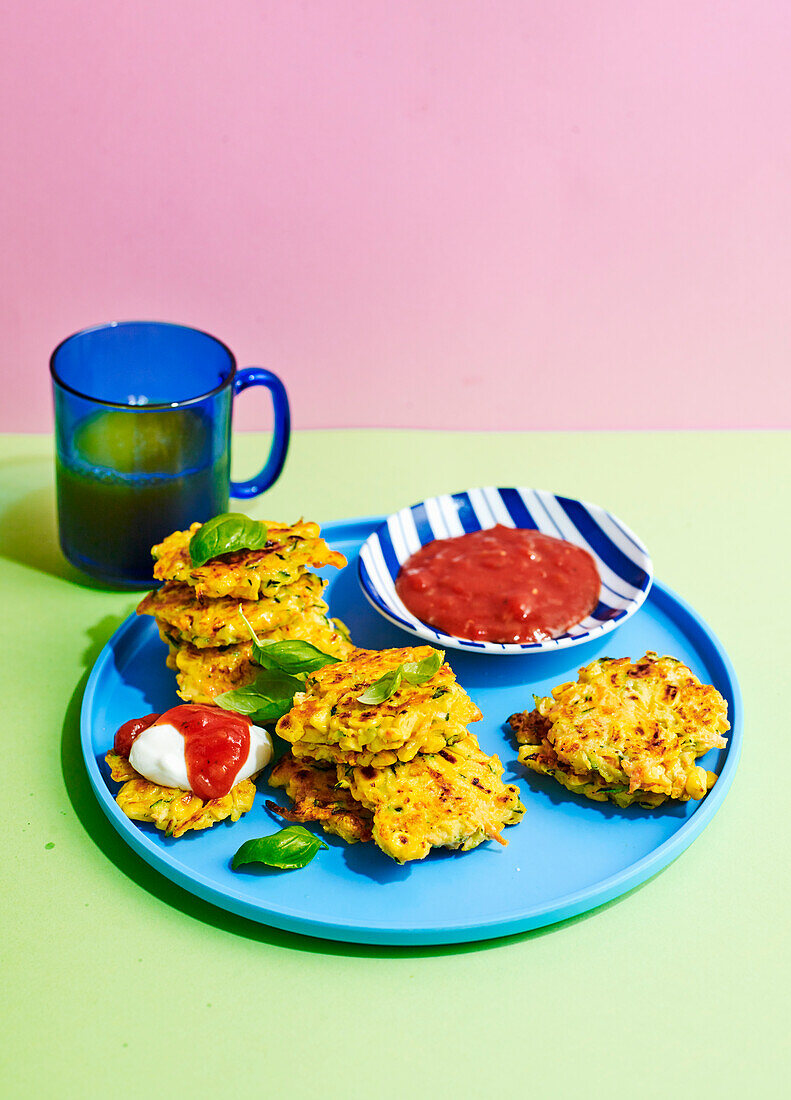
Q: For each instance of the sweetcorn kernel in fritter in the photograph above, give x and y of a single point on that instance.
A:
(203, 674)
(638, 725)
(327, 721)
(172, 810)
(246, 574)
(218, 622)
(452, 799)
(318, 796)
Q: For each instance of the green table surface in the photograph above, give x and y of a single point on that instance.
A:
(117, 982)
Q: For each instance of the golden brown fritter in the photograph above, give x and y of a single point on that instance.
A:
(318, 796)
(217, 622)
(203, 674)
(628, 731)
(407, 767)
(172, 810)
(536, 753)
(246, 574)
(327, 722)
(451, 799)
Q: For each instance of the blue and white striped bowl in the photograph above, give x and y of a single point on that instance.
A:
(622, 560)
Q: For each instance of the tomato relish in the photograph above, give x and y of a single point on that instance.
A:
(216, 744)
(500, 585)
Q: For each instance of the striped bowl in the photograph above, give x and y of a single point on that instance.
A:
(622, 560)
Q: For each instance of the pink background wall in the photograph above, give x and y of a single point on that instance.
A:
(445, 214)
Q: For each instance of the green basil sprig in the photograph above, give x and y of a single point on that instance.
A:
(266, 699)
(291, 655)
(383, 688)
(288, 850)
(414, 672)
(284, 666)
(225, 533)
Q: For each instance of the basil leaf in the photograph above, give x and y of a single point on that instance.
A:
(291, 656)
(264, 712)
(225, 533)
(290, 849)
(384, 687)
(268, 698)
(418, 672)
(414, 672)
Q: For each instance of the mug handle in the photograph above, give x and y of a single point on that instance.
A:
(257, 376)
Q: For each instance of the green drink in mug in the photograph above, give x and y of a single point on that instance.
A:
(143, 440)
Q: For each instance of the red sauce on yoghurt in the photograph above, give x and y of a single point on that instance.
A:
(129, 732)
(216, 744)
(500, 585)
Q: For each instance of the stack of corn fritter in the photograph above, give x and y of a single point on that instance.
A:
(626, 732)
(201, 610)
(404, 771)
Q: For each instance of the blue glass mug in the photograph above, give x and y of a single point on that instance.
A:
(143, 440)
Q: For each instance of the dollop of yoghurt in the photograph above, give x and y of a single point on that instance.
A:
(158, 754)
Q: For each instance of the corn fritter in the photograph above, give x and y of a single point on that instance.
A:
(317, 796)
(203, 674)
(454, 798)
(626, 731)
(172, 810)
(328, 722)
(407, 771)
(205, 623)
(246, 574)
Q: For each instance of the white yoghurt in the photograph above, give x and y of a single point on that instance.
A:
(158, 755)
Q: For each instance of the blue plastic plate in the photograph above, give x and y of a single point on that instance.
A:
(567, 856)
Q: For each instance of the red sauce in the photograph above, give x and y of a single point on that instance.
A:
(216, 744)
(500, 585)
(129, 733)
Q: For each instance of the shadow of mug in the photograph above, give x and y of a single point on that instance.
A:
(143, 440)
